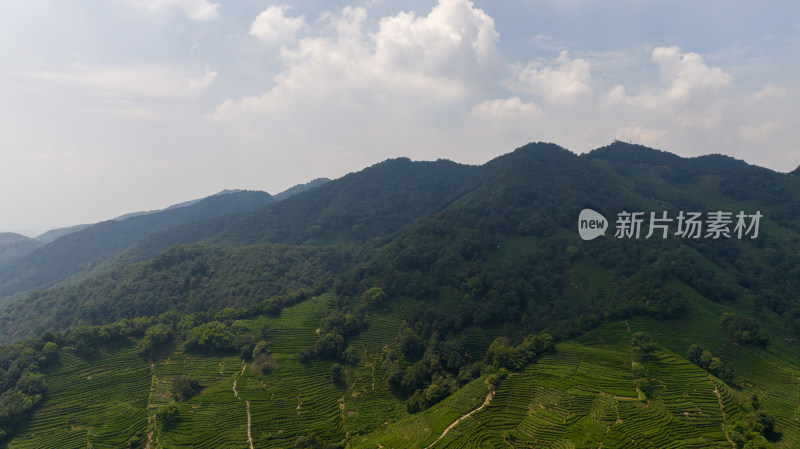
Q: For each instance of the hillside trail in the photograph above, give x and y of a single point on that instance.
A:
(247, 403)
(371, 365)
(486, 401)
(722, 410)
(153, 382)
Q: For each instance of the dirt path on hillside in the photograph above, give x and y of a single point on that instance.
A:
(247, 403)
(249, 435)
(236, 393)
(371, 365)
(488, 399)
(722, 410)
(153, 382)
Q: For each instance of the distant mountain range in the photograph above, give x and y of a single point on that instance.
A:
(35, 263)
(16, 245)
(53, 234)
(423, 304)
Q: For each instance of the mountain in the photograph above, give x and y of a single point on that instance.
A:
(301, 188)
(176, 206)
(79, 250)
(335, 213)
(14, 245)
(54, 234)
(434, 304)
(11, 237)
(372, 203)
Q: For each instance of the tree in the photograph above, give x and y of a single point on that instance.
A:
(410, 344)
(31, 383)
(643, 347)
(694, 352)
(374, 296)
(743, 330)
(338, 375)
(167, 415)
(351, 355)
(264, 363)
(185, 387)
(310, 441)
(50, 352)
(212, 336)
(502, 355)
(154, 337)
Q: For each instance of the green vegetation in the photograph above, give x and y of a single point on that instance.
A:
(452, 306)
(75, 252)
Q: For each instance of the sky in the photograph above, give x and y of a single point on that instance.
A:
(114, 106)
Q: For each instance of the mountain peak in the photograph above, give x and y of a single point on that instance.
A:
(12, 237)
(299, 188)
(619, 151)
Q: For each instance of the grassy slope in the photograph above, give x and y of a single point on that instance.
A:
(580, 395)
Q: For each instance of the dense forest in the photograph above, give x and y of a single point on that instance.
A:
(72, 253)
(410, 296)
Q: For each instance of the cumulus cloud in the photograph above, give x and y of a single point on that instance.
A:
(202, 10)
(687, 73)
(758, 133)
(349, 84)
(147, 80)
(770, 91)
(684, 77)
(636, 132)
(201, 84)
(505, 108)
(562, 81)
(273, 27)
(409, 61)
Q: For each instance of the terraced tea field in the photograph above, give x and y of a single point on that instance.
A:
(580, 395)
(584, 397)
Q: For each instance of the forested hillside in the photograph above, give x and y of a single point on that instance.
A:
(434, 304)
(15, 245)
(76, 251)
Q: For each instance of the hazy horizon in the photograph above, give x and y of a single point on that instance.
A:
(116, 107)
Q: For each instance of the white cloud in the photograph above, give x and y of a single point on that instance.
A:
(417, 82)
(505, 108)
(408, 63)
(684, 77)
(202, 83)
(202, 10)
(562, 81)
(770, 91)
(758, 133)
(637, 133)
(454, 33)
(69, 161)
(148, 80)
(273, 27)
(124, 111)
(687, 73)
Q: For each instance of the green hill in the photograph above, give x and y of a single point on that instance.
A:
(14, 245)
(77, 251)
(417, 305)
(54, 234)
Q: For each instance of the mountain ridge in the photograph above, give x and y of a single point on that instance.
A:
(70, 253)
(409, 298)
